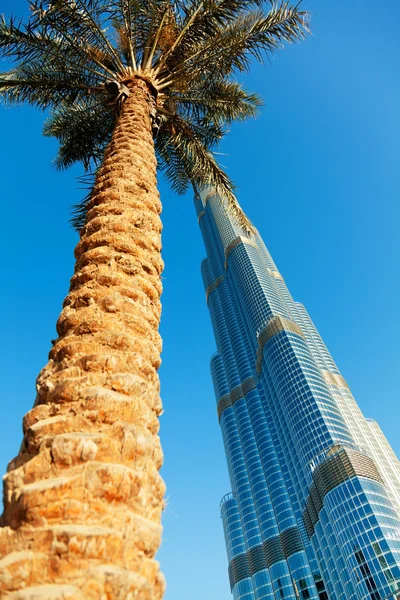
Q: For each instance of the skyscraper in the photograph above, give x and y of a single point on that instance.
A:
(314, 511)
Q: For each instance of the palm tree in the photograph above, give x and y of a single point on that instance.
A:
(130, 84)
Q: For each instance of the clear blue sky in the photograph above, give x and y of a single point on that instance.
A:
(318, 174)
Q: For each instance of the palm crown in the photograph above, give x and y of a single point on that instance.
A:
(75, 56)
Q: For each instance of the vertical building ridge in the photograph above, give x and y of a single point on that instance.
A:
(314, 511)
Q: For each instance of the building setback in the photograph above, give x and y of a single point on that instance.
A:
(314, 511)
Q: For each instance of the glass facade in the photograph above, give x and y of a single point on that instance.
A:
(314, 511)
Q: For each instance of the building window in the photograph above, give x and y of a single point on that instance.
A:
(305, 594)
(319, 584)
(367, 575)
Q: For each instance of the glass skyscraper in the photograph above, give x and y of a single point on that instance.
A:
(314, 511)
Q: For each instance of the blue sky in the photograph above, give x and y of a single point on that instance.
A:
(318, 173)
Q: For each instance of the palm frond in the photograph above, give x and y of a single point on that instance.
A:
(219, 101)
(92, 18)
(77, 22)
(232, 48)
(83, 131)
(30, 82)
(79, 210)
(186, 161)
(139, 18)
(39, 42)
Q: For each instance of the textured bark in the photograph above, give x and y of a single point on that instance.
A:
(84, 497)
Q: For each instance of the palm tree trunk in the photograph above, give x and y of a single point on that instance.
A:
(83, 499)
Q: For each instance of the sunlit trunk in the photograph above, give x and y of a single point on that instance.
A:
(84, 497)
